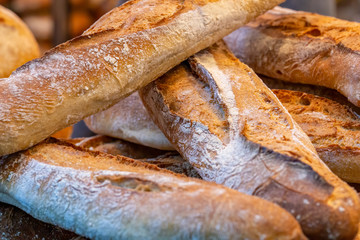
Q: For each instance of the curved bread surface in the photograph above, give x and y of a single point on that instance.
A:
(302, 47)
(129, 120)
(234, 131)
(86, 191)
(324, 92)
(123, 51)
(333, 129)
(169, 160)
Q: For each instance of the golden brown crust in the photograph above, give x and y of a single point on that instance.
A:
(325, 92)
(85, 191)
(234, 131)
(168, 160)
(17, 43)
(333, 129)
(126, 49)
(304, 48)
(115, 146)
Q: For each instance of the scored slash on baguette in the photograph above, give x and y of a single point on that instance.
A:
(123, 51)
(106, 197)
(222, 119)
(302, 47)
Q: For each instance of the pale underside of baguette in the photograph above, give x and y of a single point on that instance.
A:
(304, 48)
(333, 129)
(105, 197)
(169, 160)
(129, 120)
(123, 51)
(234, 131)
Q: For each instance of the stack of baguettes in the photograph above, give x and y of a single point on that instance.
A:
(213, 109)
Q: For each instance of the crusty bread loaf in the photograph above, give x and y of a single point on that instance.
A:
(124, 50)
(106, 197)
(18, 46)
(304, 48)
(333, 129)
(340, 121)
(325, 92)
(17, 43)
(169, 160)
(234, 131)
(129, 120)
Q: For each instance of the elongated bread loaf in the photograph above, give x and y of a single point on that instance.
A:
(123, 51)
(106, 197)
(333, 128)
(304, 48)
(169, 160)
(17, 43)
(234, 131)
(129, 120)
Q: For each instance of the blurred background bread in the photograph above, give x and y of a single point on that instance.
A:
(19, 45)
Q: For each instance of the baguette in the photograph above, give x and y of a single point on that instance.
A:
(234, 131)
(105, 197)
(169, 160)
(129, 120)
(124, 50)
(333, 129)
(17, 43)
(302, 47)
